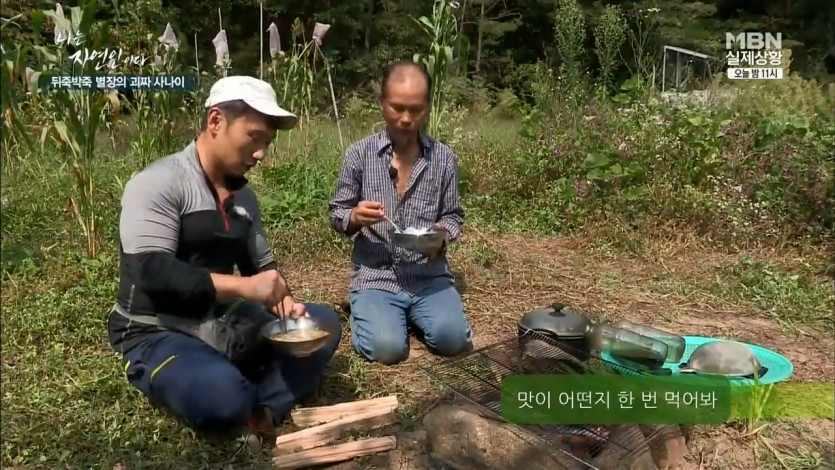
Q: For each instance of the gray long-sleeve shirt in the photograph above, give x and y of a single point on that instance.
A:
(431, 197)
(174, 232)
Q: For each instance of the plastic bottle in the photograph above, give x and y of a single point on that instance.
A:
(627, 344)
(675, 343)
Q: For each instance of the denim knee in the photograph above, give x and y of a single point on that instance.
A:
(386, 349)
(449, 338)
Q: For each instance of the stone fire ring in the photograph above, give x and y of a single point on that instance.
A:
(462, 437)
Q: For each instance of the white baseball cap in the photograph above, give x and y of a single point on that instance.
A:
(258, 94)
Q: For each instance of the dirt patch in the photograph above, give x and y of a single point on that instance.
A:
(502, 278)
(715, 448)
(788, 441)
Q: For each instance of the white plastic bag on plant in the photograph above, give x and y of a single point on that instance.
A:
(319, 32)
(61, 34)
(169, 39)
(32, 79)
(275, 41)
(221, 47)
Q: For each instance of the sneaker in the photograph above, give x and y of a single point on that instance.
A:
(259, 430)
(252, 443)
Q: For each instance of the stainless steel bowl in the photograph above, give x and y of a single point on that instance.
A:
(423, 242)
(275, 333)
(729, 358)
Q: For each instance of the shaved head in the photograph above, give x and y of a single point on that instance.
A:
(405, 99)
(407, 75)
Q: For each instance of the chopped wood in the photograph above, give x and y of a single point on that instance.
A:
(336, 453)
(326, 433)
(304, 417)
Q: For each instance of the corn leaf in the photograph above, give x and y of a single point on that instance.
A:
(47, 54)
(87, 18)
(37, 25)
(65, 138)
(62, 23)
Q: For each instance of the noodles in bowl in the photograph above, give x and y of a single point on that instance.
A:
(299, 336)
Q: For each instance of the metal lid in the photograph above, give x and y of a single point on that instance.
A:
(556, 320)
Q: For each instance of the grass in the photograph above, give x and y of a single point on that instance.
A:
(528, 243)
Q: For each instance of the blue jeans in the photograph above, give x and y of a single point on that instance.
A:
(202, 387)
(380, 319)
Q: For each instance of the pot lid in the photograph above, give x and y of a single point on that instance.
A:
(556, 320)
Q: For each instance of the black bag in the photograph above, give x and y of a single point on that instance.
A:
(236, 332)
(233, 328)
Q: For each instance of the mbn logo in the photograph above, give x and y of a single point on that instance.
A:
(754, 40)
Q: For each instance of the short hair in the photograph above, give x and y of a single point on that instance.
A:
(235, 109)
(397, 65)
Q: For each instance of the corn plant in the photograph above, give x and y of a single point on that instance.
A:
(292, 74)
(12, 127)
(156, 111)
(442, 30)
(318, 36)
(77, 116)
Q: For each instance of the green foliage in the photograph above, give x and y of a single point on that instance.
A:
(642, 38)
(626, 154)
(297, 192)
(770, 288)
(609, 35)
(442, 30)
(735, 174)
(78, 113)
(293, 75)
(570, 35)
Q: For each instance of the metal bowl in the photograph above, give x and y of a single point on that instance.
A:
(285, 341)
(729, 358)
(422, 241)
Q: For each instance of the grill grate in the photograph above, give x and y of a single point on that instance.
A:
(477, 377)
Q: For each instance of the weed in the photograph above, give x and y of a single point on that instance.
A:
(791, 298)
(609, 35)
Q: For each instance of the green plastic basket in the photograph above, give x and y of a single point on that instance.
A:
(779, 368)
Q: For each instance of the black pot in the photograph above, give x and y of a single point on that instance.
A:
(563, 326)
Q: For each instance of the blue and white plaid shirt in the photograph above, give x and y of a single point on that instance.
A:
(431, 197)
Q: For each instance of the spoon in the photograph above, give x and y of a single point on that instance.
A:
(391, 222)
(280, 308)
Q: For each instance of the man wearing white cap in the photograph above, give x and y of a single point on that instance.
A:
(187, 327)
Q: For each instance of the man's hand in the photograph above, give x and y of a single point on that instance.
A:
(267, 288)
(290, 308)
(367, 213)
(434, 255)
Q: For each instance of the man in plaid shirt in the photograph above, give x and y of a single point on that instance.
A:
(413, 179)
